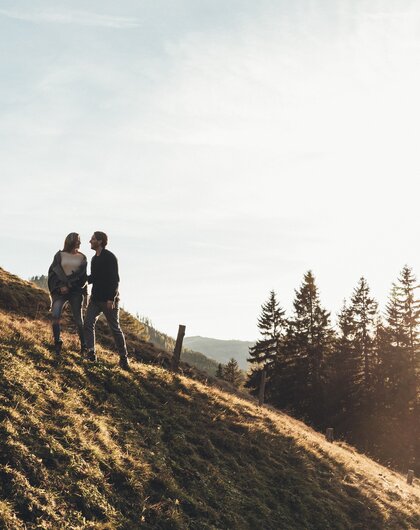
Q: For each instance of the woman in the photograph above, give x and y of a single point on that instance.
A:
(67, 282)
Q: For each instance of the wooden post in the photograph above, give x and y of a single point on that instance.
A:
(178, 347)
(330, 434)
(262, 388)
(410, 476)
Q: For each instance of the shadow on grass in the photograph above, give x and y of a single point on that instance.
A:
(187, 458)
(218, 472)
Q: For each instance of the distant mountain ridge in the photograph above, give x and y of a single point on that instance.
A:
(221, 350)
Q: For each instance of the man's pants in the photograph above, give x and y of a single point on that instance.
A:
(93, 312)
(75, 300)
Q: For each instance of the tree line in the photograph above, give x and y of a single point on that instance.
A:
(361, 377)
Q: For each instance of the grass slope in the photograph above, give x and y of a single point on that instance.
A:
(87, 446)
(92, 447)
(21, 297)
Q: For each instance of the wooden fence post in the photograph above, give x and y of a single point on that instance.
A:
(178, 347)
(410, 476)
(262, 388)
(330, 434)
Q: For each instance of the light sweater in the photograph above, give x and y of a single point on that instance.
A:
(70, 262)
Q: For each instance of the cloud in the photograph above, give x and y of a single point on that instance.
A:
(81, 18)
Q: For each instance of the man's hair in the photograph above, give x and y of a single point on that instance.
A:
(102, 237)
(70, 242)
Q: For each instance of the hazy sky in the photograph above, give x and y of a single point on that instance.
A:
(226, 147)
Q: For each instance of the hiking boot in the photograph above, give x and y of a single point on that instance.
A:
(58, 347)
(91, 356)
(124, 364)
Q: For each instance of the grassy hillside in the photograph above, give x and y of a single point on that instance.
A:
(92, 447)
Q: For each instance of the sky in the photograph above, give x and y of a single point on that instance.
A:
(226, 147)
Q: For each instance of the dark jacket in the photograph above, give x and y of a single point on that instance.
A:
(57, 277)
(104, 277)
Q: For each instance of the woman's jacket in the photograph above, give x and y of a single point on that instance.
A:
(57, 278)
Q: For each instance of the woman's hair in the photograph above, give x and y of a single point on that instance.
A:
(102, 237)
(70, 242)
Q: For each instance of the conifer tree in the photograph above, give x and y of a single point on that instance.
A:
(400, 353)
(263, 354)
(410, 314)
(219, 371)
(363, 312)
(398, 384)
(391, 353)
(40, 281)
(232, 373)
(342, 370)
(308, 344)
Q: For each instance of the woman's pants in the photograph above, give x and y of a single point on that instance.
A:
(75, 300)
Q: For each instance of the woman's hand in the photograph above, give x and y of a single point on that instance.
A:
(64, 290)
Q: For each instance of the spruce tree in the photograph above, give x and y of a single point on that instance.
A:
(219, 371)
(308, 344)
(363, 312)
(392, 354)
(399, 356)
(232, 373)
(263, 354)
(342, 370)
(410, 315)
(398, 384)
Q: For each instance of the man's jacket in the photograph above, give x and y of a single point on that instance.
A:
(104, 277)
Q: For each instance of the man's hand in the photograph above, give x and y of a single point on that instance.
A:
(110, 305)
(64, 290)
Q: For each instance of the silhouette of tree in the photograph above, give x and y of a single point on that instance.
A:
(263, 354)
(219, 372)
(232, 373)
(308, 343)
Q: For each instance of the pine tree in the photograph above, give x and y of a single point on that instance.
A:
(40, 281)
(400, 353)
(363, 312)
(308, 344)
(263, 354)
(270, 324)
(398, 384)
(232, 373)
(410, 315)
(342, 370)
(219, 372)
(391, 354)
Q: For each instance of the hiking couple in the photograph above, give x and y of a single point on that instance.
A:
(67, 282)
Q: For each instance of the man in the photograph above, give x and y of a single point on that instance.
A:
(104, 297)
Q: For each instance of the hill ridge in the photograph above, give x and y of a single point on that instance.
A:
(221, 350)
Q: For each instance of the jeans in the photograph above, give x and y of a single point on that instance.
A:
(75, 300)
(93, 312)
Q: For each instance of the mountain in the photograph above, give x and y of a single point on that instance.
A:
(89, 446)
(221, 350)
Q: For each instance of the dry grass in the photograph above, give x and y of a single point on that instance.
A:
(92, 447)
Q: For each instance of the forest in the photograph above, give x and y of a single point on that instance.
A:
(361, 376)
